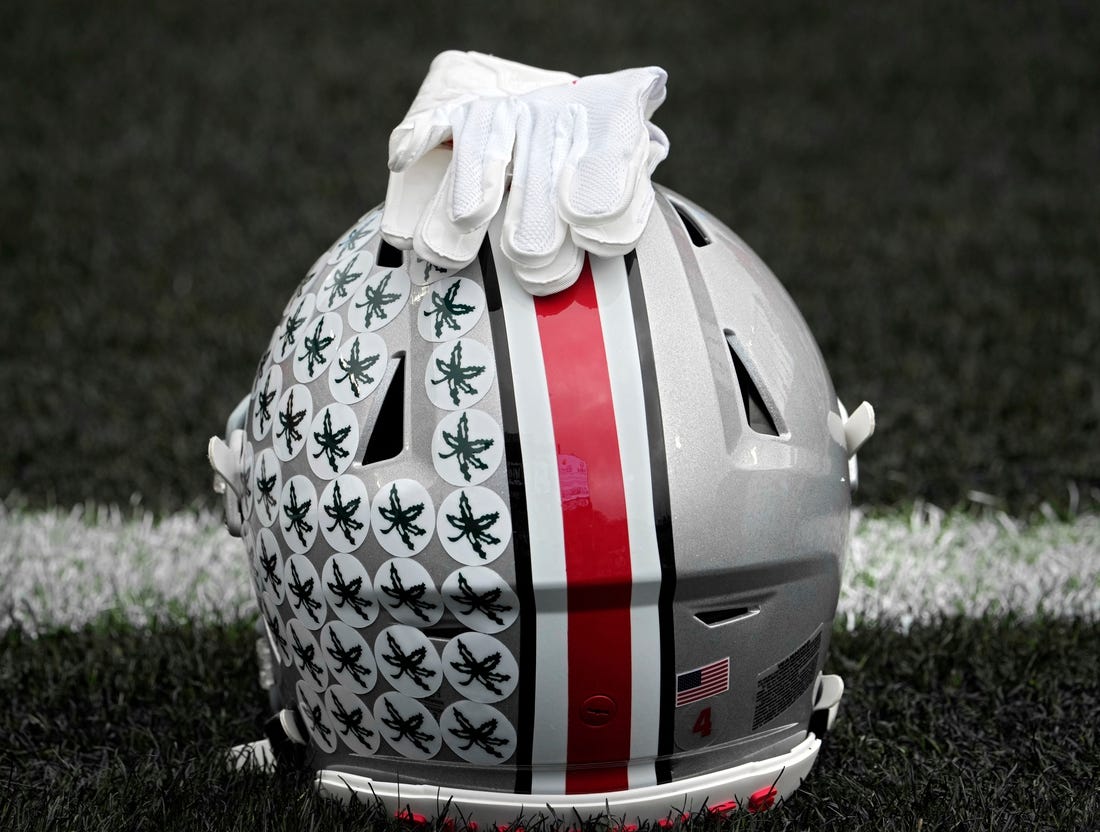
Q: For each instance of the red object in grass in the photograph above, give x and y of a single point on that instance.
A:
(762, 799)
(669, 822)
(723, 808)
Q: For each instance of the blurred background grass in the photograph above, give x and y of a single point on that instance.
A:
(923, 178)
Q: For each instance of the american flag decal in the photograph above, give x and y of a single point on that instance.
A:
(703, 682)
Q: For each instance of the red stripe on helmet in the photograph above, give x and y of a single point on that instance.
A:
(597, 544)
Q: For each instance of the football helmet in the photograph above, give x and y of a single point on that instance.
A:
(580, 551)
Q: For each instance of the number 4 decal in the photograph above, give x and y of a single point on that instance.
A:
(702, 723)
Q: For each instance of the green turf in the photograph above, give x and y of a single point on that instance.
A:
(966, 724)
(922, 176)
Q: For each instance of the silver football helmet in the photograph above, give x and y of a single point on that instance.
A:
(580, 551)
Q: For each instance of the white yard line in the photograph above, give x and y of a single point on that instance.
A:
(65, 568)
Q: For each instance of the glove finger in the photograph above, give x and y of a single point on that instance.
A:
(408, 195)
(534, 231)
(415, 136)
(560, 273)
(600, 185)
(484, 133)
(437, 239)
(658, 147)
(620, 235)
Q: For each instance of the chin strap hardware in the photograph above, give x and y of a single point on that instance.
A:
(284, 745)
(225, 459)
(830, 689)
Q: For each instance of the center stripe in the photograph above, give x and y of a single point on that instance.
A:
(596, 537)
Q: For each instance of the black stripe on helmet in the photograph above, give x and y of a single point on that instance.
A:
(521, 539)
(662, 518)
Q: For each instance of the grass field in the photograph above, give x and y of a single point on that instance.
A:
(921, 177)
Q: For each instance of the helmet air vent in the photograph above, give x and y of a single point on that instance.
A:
(698, 237)
(716, 618)
(756, 408)
(387, 439)
(445, 630)
(390, 257)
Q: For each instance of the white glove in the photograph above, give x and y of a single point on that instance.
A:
(581, 151)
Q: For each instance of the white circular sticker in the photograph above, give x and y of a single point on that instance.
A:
(424, 272)
(333, 440)
(478, 733)
(319, 342)
(268, 564)
(467, 447)
(263, 400)
(474, 525)
(407, 592)
(345, 513)
(379, 300)
(355, 237)
(353, 720)
(358, 369)
(298, 513)
(348, 590)
(459, 374)
(450, 309)
(316, 718)
(246, 460)
(342, 281)
(276, 630)
(348, 657)
(267, 486)
(303, 590)
(407, 726)
(403, 517)
(407, 659)
(293, 417)
(288, 337)
(480, 599)
(480, 667)
(306, 655)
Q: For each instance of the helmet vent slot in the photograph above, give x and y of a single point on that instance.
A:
(698, 237)
(756, 408)
(390, 257)
(387, 439)
(445, 631)
(715, 618)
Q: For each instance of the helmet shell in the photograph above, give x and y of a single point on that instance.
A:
(568, 545)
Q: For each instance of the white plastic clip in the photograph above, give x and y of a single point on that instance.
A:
(859, 427)
(830, 689)
(251, 755)
(225, 459)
